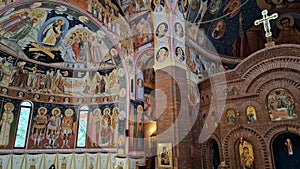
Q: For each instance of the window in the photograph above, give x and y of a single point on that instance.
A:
(83, 114)
(25, 110)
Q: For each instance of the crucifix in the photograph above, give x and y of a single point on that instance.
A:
(267, 27)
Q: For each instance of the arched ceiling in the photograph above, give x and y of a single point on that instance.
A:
(58, 42)
(202, 18)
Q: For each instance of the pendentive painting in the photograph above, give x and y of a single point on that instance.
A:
(281, 105)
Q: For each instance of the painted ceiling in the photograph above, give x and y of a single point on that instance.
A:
(203, 17)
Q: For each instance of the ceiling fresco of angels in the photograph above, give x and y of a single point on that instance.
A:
(56, 35)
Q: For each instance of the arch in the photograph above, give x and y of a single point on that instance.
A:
(258, 83)
(281, 128)
(252, 136)
(284, 147)
(207, 162)
(251, 103)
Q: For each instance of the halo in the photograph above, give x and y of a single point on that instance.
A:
(121, 72)
(160, 25)
(123, 92)
(53, 111)
(105, 111)
(161, 50)
(114, 109)
(279, 25)
(63, 22)
(184, 2)
(45, 112)
(97, 109)
(113, 51)
(140, 108)
(154, 2)
(71, 110)
(9, 105)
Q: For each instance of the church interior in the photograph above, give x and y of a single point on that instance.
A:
(150, 84)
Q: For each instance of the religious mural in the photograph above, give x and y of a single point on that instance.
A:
(137, 125)
(232, 8)
(218, 29)
(202, 66)
(54, 54)
(133, 7)
(7, 118)
(281, 105)
(142, 29)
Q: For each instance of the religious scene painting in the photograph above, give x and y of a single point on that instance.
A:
(103, 128)
(53, 36)
(281, 105)
(53, 128)
(142, 29)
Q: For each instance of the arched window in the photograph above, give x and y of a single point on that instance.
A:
(82, 130)
(25, 110)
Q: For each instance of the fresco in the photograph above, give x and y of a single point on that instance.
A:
(52, 53)
(142, 29)
(281, 105)
(51, 35)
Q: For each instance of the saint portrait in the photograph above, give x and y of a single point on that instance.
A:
(231, 116)
(215, 5)
(218, 29)
(165, 155)
(157, 5)
(183, 5)
(288, 32)
(232, 8)
(178, 30)
(5, 124)
(161, 30)
(162, 55)
(251, 114)
(179, 53)
(246, 155)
